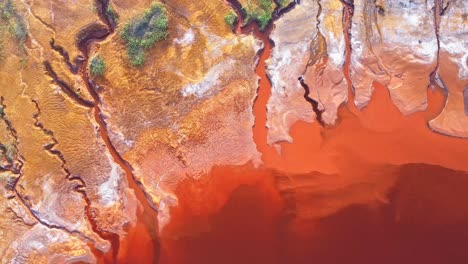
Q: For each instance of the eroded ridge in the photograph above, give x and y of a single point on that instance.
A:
(87, 38)
(19, 202)
(452, 70)
(205, 103)
(309, 55)
(70, 193)
(361, 45)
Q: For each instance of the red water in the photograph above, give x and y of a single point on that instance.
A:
(378, 187)
(140, 244)
(336, 195)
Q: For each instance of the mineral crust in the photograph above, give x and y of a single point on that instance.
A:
(452, 73)
(164, 134)
(393, 43)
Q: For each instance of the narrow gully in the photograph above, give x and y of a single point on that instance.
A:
(72, 67)
(66, 88)
(260, 134)
(439, 10)
(50, 147)
(348, 12)
(259, 129)
(149, 216)
(437, 13)
(313, 103)
(380, 140)
(17, 168)
(379, 134)
(146, 229)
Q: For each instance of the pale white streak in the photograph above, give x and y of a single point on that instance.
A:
(210, 80)
(109, 190)
(187, 39)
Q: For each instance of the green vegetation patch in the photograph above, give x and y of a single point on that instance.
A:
(97, 66)
(230, 18)
(260, 11)
(7, 9)
(144, 31)
(14, 21)
(283, 3)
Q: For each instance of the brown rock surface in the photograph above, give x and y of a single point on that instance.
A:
(293, 36)
(309, 44)
(324, 74)
(42, 245)
(64, 20)
(66, 181)
(188, 126)
(394, 43)
(190, 104)
(453, 70)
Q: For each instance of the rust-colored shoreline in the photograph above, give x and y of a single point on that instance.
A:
(124, 249)
(394, 151)
(308, 156)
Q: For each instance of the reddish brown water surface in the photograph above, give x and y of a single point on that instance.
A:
(379, 187)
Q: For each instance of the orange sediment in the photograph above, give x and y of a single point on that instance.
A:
(141, 242)
(378, 187)
(356, 192)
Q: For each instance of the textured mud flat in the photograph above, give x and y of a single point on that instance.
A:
(233, 131)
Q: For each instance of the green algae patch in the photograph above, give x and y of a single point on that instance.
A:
(142, 32)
